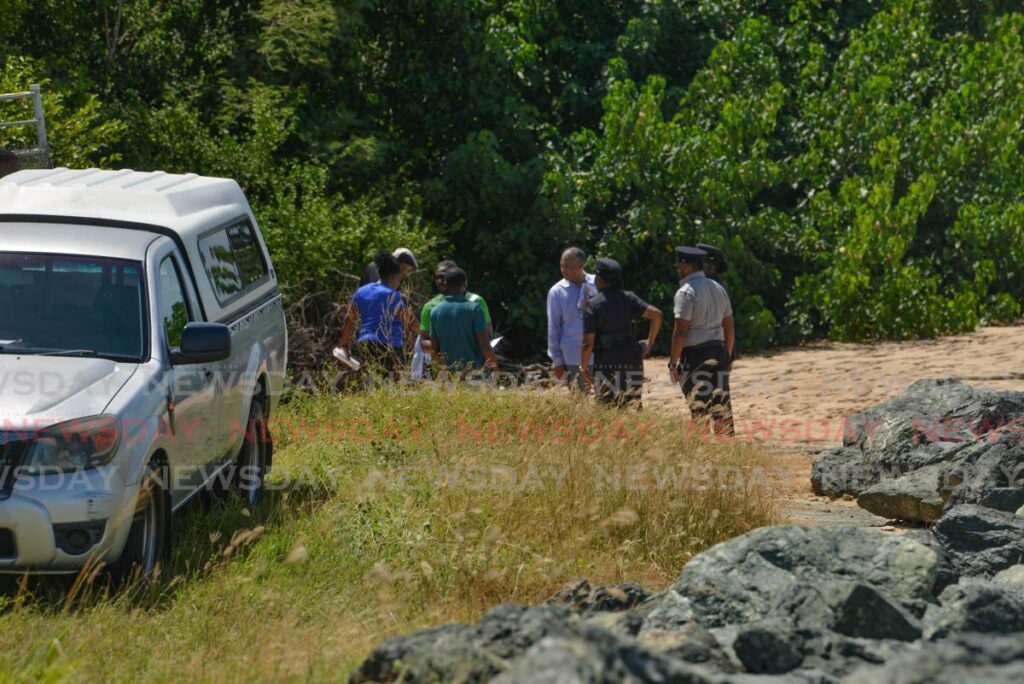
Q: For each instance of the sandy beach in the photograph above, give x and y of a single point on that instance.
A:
(796, 400)
(801, 396)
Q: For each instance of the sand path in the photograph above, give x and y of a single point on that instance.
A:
(796, 400)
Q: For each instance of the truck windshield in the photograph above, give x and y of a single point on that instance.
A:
(71, 305)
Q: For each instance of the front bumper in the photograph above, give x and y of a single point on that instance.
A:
(34, 506)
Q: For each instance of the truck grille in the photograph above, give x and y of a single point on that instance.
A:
(10, 458)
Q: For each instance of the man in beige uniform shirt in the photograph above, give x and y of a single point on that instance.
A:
(702, 342)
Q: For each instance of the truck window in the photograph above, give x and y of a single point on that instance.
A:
(51, 303)
(232, 259)
(172, 308)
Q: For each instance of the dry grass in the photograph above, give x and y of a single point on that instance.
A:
(404, 509)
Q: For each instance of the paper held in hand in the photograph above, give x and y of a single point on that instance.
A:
(342, 356)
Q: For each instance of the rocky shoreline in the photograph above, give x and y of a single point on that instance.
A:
(794, 603)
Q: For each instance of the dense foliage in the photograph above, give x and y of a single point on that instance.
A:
(858, 160)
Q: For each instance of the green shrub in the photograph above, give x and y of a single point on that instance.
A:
(859, 161)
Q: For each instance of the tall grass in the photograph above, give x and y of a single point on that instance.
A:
(391, 511)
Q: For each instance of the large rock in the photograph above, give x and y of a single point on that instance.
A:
(465, 653)
(989, 470)
(965, 659)
(865, 612)
(745, 579)
(918, 495)
(1010, 499)
(844, 470)
(977, 606)
(768, 647)
(853, 609)
(919, 427)
(385, 662)
(785, 605)
(974, 541)
(594, 656)
(841, 655)
(940, 443)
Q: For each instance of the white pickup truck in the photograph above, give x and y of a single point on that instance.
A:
(142, 353)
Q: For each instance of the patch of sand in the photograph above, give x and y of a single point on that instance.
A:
(796, 400)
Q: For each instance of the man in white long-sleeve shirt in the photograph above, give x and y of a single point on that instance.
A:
(567, 300)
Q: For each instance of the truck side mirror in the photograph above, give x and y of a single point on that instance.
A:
(202, 343)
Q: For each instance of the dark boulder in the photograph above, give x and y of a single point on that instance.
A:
(938, 444)
(463, 653)
(974, 541)
(865, 612)
(392, 660)
(964, 659)
(853, 609)
(1009, 499)
(918, 495)
(768, 647)
(844, 470)
(977, 606)
(594, 656)
(744, 579)
(919, 427)
(989, 471)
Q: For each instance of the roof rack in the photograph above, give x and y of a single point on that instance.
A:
(42, 149)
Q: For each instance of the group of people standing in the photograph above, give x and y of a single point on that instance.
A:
(590, 327)
(454, 327)
(592, 345)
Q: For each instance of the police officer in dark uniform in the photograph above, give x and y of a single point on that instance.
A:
(714, 267)
(702, 341)
(618, 374)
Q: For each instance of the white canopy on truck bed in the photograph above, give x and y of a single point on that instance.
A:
(185, 203)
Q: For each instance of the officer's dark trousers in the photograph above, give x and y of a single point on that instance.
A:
(705, 382)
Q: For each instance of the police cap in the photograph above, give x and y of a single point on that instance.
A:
(690, 255)
(609, 269)
(715, 256)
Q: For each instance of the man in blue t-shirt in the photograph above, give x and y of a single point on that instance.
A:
(458, 328)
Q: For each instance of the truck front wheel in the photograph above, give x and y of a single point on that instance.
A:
(250, 468)
(148, 537)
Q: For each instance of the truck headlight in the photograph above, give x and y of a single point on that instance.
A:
(73, 445)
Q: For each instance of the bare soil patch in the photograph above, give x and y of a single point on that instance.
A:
(796, 400)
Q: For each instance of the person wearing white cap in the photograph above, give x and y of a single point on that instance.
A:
(406, 259)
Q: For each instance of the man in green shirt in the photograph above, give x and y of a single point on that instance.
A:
(422, 353)
(458, 328)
